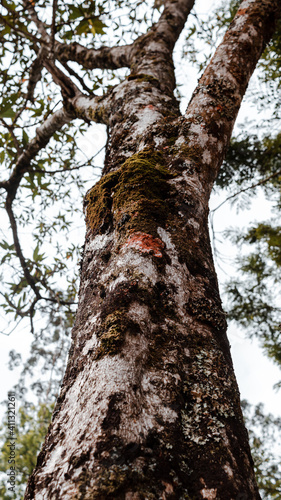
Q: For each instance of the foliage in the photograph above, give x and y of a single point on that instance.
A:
(31, 428)
(265, 442)
(48, 355)
(255, 295)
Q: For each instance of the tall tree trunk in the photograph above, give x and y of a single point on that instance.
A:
(149, 407)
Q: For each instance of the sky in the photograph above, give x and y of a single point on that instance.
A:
(255, 373)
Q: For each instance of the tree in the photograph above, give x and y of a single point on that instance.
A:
(30, 431)
(149, 406)
(264, 434)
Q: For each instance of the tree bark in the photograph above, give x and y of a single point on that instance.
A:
(149, 407)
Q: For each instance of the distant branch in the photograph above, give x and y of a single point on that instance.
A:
(34, 76)
(260, 183)
(79, 78)
(61, 170)
(55, 4)
(43, 135)
(29, 278)
(41, 27)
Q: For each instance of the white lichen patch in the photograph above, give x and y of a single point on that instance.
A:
(158, 141)
(246, 4)
(147, 117)
(126, 260)
(176, 274)
(92, 343)
(210, 407)
(209, 494)
(54, 460)
(139, 313)
(99, 242)
(207, 157)
(180, 141)
(228, 470)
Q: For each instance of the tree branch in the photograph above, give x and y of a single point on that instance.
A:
(103, 58)
(89, 108)
(55, 4)
(68, 88)
(168, 27)
(79, 78)
(212, 111)
(173, 20)
(39, 24)
(43, 135)
(34, 76)
(29, 278)
(22, 33)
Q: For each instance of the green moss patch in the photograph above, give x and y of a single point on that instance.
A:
(133, 198)
(112, 334)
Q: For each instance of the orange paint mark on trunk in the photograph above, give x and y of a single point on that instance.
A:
(145, 243)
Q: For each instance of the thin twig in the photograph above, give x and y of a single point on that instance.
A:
(73, 73)
(260, 183)
(11, 130)
(22, 314)
(53, 32)
(13, 329)
(21, 32)
(29, 278)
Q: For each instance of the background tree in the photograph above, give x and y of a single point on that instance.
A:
(146, 192)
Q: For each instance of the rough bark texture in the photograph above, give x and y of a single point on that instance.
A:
(149, 407)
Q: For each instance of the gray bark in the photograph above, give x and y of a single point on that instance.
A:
(149, 407)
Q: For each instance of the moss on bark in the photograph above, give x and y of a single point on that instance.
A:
(133, 197)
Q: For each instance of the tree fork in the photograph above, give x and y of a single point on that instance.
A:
(149, 407)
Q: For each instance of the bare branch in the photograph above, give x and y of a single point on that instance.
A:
(29, 278)
(244, 190)
(61, 170)
(79, 78)
(34, 76)
(39, 24)
(103, 58)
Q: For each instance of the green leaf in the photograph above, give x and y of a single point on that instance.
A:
(7, 113)
(25, 138)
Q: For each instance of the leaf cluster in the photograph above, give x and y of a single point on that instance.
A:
(265, 441)
(29, 432)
